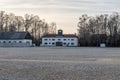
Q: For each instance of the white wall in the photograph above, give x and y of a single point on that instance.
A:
(15, 43)
(68, 40)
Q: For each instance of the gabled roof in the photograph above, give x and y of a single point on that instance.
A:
(14, 35)
(55, 35)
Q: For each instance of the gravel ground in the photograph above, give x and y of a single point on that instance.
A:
(59, 63)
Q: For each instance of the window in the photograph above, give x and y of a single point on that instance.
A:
(53, 43)
(59, 39)
(3, 41)
(49, 39)
(45, 43)
(49, 43)
(45, 39)
(68, 39)
(64, 43)
(53, 39)
(20, 41)
(72, 39)
(0, 41)
(72, 43)
(9, 42)
(64, 39)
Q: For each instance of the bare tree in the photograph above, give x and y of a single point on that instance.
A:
(2, 20)
(102, 28)
(27, 21)
(12, 22)
(52, 28)
(19, 23)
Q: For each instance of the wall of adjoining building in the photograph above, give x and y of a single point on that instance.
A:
(15, 43)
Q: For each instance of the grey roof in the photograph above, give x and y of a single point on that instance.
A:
(14, 35)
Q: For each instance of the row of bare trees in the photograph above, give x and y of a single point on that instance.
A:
(99, 29)
(31, 23)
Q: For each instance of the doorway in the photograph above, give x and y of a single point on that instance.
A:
(58, 43)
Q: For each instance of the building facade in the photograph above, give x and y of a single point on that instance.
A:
(60, 39)
(15, 39)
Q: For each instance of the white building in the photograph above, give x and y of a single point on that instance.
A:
(15, 39)
(59, 39)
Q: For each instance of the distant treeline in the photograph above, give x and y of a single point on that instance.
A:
(31, 23)
(103, 28)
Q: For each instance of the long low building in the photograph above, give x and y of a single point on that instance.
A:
(15, 39)
(60, 39)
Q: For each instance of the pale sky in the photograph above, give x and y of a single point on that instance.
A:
(64, 12)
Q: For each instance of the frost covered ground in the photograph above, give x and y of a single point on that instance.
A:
(61, 63)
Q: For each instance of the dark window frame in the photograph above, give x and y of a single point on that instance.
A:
(14, 41)
(20, 41)
(59, 39)
(72, 43)
(64, 39)
(45, 39)
(53, 39)
(53, 43)
(4, 41)
(72, 39)
(64, 43)
(46, 43)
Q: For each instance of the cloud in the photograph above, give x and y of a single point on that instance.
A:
(61, 11)
(65, 5)
(75, 6)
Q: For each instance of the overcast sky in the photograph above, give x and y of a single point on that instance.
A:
(64, 12)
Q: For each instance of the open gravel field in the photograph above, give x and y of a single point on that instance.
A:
(59, 63)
